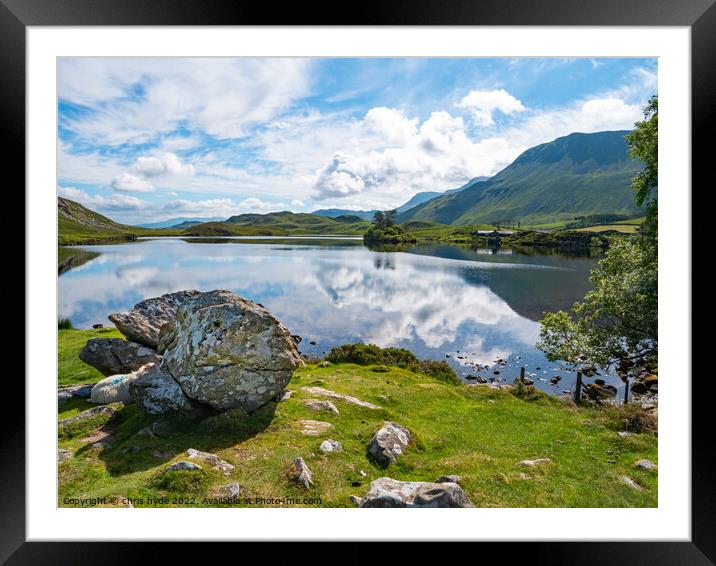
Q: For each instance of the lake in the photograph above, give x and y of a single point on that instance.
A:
(445, 302)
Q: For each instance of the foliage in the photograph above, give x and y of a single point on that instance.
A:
(64, 324)
(372, 355)
(388, 235)
(643, 144)
(618, 319)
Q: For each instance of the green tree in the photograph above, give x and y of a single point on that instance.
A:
(379, 219)
(390, 216)
(643, 144)
(616, 323)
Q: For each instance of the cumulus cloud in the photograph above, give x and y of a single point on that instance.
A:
(391, 124)
(483, 103)
(113, 202)
(163, 164)
(128, 183)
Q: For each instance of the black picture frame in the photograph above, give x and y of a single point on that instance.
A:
(698, 15)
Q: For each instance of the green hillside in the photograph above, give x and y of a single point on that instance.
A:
(576, 175)
(300, 223)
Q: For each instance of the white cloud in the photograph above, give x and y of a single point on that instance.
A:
(126, 182)
(113, 202)
(135, 100)
(483, 103)
(163, 164)
(298, 203)
(391, 124)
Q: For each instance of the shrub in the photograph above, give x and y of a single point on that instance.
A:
(372, 355)
(64, 324)
(526, 392)
(631, 417)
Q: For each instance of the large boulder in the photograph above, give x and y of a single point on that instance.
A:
(112, 356)
(387, 492)
(228, 352)
(389, 443)
(143, 322)
(113, 389)
(158, 393)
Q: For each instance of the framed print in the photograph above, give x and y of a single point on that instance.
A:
(307, 272)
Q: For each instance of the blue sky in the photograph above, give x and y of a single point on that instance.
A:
(144, 139)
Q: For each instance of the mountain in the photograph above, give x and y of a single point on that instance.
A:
(333, 212)
(420, 198)
(78, 224)
(575, 175)
(180, 222)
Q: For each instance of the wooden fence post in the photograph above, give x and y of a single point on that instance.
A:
(522, 374)
(578, 388)
(626, 391)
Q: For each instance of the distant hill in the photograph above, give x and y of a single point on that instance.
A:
(575, 175)
(78, 224)
(334, 212)
(180, 222)
(285, 223)
(420, 198)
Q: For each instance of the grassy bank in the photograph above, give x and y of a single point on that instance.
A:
(476, 432)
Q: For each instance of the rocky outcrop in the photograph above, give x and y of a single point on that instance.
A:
(212, 460)
(64, 394)
(535, 462)
(313, 428)
(112, 356)
(645, 465)
(158, 393)
(320, 391)
(389, 443)
(229, 352)
(184, 466)
(390, 493)
(143, 323)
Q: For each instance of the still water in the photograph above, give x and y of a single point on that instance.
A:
(445, 302)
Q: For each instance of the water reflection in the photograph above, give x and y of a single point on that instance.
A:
(436, 300)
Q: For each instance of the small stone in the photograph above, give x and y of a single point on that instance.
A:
(624, 433)
(631, 483)
(184, 466)
(356, 500)
(283, 396)
(328, 446)
(302, 475)
(318, 405)
(232, 489)
(63, 454)
(524, 476)
(362, 474)
(146, 432)
(645, 465)
(535, 462)
(321, 392)
(389, 443)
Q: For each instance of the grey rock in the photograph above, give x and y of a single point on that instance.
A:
(63, 454)
(645, 465)
(318, 405)
(212, 459)
(283, 396)
(390, 493)
(158, 393)
(88, 414)
(631, 483)
(97, 326)
(112, 356)
(64, 394)
(321, 392)
(389, 443)
(143, 323)
(448, 479)
(233, 489)
(330, 445)
(357, 500)
(230, 352)
(184, 466)
(301, 474)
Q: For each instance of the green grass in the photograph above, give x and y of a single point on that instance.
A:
(70, 368)
(476, 432)
(622, 227)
